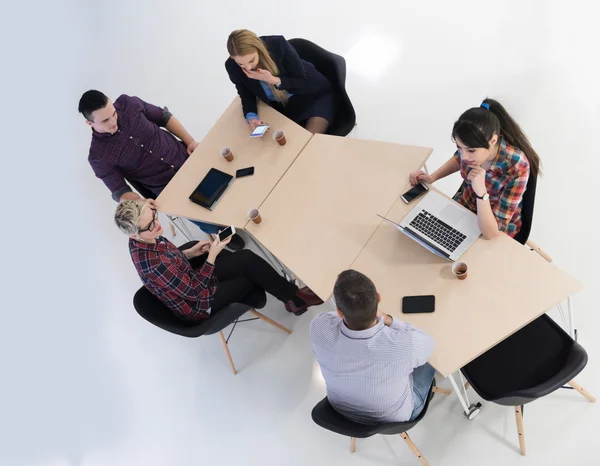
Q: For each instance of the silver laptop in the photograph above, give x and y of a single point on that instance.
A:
(440, 226)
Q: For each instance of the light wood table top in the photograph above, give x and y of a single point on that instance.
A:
(269, 159)
(507, 287)
(323, 211)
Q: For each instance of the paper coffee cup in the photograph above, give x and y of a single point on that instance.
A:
(460, 269)
(254, 215)
(279, 137)
(227, 154)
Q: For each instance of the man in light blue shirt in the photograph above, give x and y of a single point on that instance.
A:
(375, 367)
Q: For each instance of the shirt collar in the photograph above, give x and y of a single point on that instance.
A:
(148, 246)
(362, 334)
(97, 135)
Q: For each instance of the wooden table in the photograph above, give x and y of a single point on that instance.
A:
(507, 287)
(270, 160)
(323, 211)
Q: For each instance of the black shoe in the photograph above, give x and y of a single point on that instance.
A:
(434, 384)
(236, 243)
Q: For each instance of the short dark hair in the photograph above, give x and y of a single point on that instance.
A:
(356, 296)
(90, 102)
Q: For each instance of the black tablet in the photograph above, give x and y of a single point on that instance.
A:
(211, 188)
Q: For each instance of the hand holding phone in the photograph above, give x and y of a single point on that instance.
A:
(259, 131)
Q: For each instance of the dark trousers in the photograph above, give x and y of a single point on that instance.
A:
(242, 277)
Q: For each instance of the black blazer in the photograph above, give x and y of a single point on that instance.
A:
(297, 76)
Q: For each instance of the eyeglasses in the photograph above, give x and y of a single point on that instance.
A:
(152, 224)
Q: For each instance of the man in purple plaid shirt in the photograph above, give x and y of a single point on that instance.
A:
(130, 145)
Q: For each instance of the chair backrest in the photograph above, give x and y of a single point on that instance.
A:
(333, 67)
(324, 415)
(529, 364)
(527, 210)
(142, 190)
(154, 311)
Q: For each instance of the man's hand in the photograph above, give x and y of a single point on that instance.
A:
(263, 75)
(191, 147)
(151, 203)
(387, 319)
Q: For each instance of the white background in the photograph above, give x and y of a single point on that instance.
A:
(86, 382)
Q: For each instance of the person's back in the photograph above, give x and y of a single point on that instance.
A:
(374, 366)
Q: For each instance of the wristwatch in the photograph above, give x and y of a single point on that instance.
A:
(485, 197)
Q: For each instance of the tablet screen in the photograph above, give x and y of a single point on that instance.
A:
(211, 188)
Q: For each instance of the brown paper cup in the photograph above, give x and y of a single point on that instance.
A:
(279, 137)
(460, 270)
(254, 215)
(227, 154)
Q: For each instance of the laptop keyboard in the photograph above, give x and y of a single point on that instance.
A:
(433, 228)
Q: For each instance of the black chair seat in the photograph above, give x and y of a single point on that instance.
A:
(154, 311)
(324, 415)
(531, 363)
(527, 210)
(333, 67)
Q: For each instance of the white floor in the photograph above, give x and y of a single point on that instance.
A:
(86, 382)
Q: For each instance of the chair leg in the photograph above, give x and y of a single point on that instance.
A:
(537, 249)
(226, 348)
(443, 391)
(352, 444)
(519, 416)
(581, 390)
(269, 321)
(414, 448)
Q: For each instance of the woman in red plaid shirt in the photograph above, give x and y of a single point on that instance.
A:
(204, 278)
(495, 160)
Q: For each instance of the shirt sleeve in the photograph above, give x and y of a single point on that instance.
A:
(422, 344)
(510, 199)
(248, 98)
(457, 157)
(153, 113)
(251, 116)
(111, 177)
(191, 285)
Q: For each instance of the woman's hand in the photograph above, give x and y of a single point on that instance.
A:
(476, 178)
(262, 75)
(199, 248)
(419, 177)
(254, 123)
(216, 247)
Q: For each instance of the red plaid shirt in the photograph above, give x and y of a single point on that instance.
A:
(506, 181)
(139, 151)
(168, 275)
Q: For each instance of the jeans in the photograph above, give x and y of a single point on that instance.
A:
(207, 228)
(422, 379)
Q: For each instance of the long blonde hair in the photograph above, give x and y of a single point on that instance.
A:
(244, 42)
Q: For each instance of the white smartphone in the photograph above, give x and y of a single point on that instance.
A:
(259, 131)
(227, 233)
(417, 190)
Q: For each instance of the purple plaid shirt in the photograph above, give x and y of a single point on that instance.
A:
(168, 275)
(139, 151)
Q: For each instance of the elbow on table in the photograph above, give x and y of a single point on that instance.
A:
(491, 234)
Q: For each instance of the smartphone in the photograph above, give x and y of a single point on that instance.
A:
(226, 233)
(244, 172)
(417, 190)
(418, 304)
(259, 131)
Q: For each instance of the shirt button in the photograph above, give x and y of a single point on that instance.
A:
(130, 137)
(141, 145)
(150, 151)
(172, 166)
(161, 159)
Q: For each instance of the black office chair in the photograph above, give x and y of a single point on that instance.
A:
(527, 218)
(533, 362)
(154, 311)
(333, 67)
(324, 415)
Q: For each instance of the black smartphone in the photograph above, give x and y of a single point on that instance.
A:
(417, 190)
(244, 172)
(226, 233)
(418, 304)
